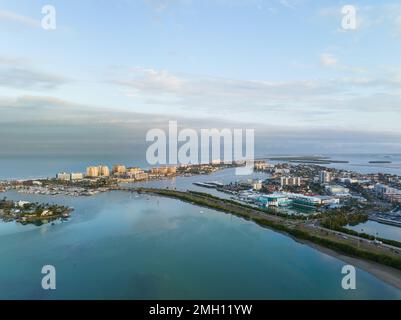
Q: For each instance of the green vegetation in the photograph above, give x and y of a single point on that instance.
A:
(334, 221)
(370, 237)
(338, 222)
(316, 188)
(86, 184)
(334, 245)
(205, 196)
(31, 212)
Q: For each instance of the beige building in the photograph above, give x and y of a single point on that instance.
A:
(104, 171)
(159, 171)
(119, 169)
(92, 172)
(97, 171)
(172, 170)
(290, 181)
(257, 185)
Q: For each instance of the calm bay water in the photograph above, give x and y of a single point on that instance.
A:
(119, 245)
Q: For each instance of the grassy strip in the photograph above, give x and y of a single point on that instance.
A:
(365, 236)
(334, 245)
(338, 222)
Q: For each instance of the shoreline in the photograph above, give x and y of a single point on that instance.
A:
(387, 274)
(384, 273)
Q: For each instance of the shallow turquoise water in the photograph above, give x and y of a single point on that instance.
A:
(118, 245)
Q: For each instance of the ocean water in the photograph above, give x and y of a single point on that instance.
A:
(34, 166)
(360, 163)
(119, 245)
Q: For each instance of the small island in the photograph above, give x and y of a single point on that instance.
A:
(380, 162)
(25, 212)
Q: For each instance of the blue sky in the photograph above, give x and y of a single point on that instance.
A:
(272, 63)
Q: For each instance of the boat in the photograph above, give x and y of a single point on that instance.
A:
(204, 185)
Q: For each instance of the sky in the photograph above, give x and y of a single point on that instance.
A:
(284, 67)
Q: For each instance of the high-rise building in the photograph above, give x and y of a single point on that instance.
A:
(97, 171)
(324, 177)
(290, 181)
(119, 169)
(104, 171)
(92, 172)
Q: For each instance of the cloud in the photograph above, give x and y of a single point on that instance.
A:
(162, 5)
(331, 102)
(287, 4)
(161, 82)
(14, 17)
(330, 61)
(46, 125)
(153, 85)
(143, 79)
(18, 74)
(397, 26)
(28, 101)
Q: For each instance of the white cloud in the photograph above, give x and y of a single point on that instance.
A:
(30, 101)
(397, 26)
(162, 5)
(145, 79)
(287, 3)
(18, 74)
(330, 61)
(15, 17)
(332, 102)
